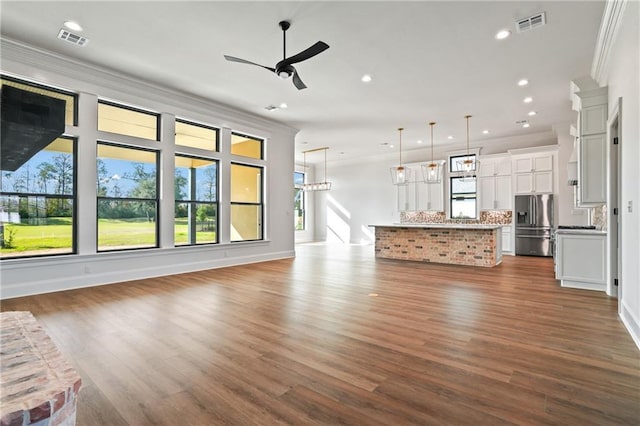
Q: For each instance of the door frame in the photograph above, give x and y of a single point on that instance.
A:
(614, 234)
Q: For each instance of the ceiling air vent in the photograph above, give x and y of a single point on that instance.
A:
(531, 22)
(72, 38)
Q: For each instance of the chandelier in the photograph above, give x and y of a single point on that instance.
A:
(316, 186)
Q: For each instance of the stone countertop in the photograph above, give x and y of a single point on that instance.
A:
(581, 231)
(441, 225)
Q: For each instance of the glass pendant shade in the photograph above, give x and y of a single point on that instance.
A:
(432, 171)
(400, 175)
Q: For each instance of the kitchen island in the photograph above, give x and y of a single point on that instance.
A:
(452, 243)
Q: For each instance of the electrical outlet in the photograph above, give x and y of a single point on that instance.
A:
(630, 206)
(87, 270)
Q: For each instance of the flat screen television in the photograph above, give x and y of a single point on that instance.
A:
(30, 122)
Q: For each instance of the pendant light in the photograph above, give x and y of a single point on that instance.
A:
(316, 186)
(400, 175)
(432, 171)
(470, 165)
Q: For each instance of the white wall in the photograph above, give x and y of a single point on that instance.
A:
(363, 194)
(622, 77)
(40, 275)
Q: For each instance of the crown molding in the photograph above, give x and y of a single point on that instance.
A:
(611, 19)
(31, 63)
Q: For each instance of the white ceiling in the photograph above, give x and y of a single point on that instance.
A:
(430, 61)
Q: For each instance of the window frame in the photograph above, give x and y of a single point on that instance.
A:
(260, 204)
(134, 109)
(452, 196)
(195, 202)
(52, 89)
(216, 147)
(262, 143)
(156, 199)
(73, 197)
(303, 200)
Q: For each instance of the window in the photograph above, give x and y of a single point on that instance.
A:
(298, 200)
(196, 195)
(196, 135)
(37, 203)
(463, 197)
(454, 162)
(127, 185)
(128, 121)
(71, 112)
(246, 202)
(246, 146)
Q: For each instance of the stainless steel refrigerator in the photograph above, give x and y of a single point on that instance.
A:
(534, 224)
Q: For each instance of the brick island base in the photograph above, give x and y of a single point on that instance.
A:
(472, 245)
(38, 386)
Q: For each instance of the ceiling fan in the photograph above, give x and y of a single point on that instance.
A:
(284, 69)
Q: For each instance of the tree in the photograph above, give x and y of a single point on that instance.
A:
(210, 183)
(102, 178)
(145, 188)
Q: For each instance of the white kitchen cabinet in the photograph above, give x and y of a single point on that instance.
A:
(419, 195)
(592, 169)
(495, 166)
(592, 148)
(495, 183)
(430, 196)
(495, 193)
(533, 173)
(507, 245)
(581, 259)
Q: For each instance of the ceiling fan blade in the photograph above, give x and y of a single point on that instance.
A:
(297, 82)
(319, 47)
(244, 61)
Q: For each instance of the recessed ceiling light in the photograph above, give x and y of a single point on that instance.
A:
(390, 146)
(449, 137)
(527, 100)
(419, 141)
(525, 125)
(485, 132)
(366, 78)
(502, 34)
(72, 25)
(531, 113)
(283, 105)
(523, 82)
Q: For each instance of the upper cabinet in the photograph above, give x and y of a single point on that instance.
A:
(419, 195)
(495, 183)
(533, 173)
(592, 147)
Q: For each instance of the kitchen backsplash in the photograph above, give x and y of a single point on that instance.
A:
(599, 217)
(493, 217)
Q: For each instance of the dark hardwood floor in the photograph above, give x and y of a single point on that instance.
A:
(335, 336)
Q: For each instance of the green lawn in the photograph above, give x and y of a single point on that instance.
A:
(55, 236)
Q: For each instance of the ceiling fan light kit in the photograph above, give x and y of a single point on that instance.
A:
(285, 69)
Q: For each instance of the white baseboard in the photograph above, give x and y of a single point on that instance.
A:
(583, 285)
(69, 280)
(631, 323)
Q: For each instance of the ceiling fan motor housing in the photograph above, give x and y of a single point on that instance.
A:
(284, 70)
